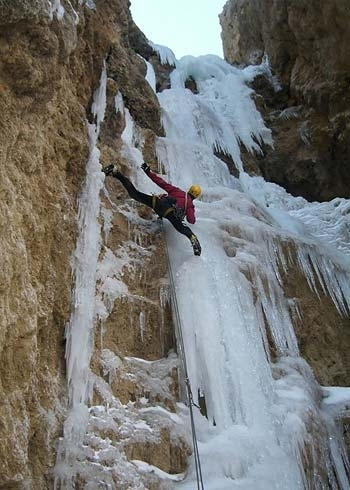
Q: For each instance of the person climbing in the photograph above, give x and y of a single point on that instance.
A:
(174, 206)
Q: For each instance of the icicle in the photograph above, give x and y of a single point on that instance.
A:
(165, 54)
(333, 281)
(164, 300)
(79, 331)
(107, 215)
(150, 75)
(99, 103)
(119, 103)
(142, 324)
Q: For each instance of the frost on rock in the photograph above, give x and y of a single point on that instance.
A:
(152, 377)
(91, 4)
(110, 363)
(113, 429)
(55, 7)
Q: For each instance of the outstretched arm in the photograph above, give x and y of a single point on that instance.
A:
(158, 180)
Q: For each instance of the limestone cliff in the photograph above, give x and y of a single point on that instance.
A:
(306, 44)
(51, 58)
(306, 105)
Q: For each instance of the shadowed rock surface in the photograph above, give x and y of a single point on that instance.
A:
(306, 44)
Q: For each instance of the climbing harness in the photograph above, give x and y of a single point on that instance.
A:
(178, 327)
(164, 205)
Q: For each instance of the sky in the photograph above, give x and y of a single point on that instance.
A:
(185, 26)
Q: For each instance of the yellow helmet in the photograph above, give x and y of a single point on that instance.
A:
(194, 191)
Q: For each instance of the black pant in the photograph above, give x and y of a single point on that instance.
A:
(149, 200)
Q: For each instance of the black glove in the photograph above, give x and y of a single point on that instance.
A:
(146, 168)
(108, 170)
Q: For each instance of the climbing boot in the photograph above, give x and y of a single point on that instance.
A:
(111, 170)
(195, 245)
(108, 169)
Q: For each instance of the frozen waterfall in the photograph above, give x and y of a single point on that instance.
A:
(259, 413)
(264, 417)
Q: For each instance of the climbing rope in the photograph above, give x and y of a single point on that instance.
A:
(178, 326)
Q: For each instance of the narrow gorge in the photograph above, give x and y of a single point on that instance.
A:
(94, 288)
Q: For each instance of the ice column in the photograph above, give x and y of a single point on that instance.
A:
(80, 329)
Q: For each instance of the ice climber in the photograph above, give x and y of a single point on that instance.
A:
(174, 206)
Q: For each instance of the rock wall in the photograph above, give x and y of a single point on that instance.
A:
(306, 105)
(306, 43)
(50, 66)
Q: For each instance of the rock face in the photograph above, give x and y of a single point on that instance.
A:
(50, 65)
(306, 44)
(51, 58)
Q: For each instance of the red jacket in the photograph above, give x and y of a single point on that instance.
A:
(183, 199)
